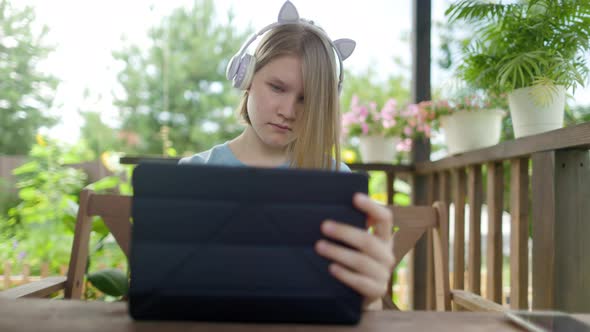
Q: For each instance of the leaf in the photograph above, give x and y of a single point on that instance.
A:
(543, 92)
(100, 227)
(27, 194)
(110, 281)
(103, 184)
(29, 167)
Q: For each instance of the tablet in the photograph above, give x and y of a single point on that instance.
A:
(219, 243)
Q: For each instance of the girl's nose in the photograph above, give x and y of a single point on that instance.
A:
(288, 108)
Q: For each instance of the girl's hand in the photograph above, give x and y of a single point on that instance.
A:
(367, 270)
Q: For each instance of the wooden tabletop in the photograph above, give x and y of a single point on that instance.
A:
(66, 315)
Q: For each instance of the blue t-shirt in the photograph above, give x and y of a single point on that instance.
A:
(222, 155)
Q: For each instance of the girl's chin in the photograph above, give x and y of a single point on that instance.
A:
(277, 142)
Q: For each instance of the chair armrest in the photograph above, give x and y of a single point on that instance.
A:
(473, 302)
(41, 288)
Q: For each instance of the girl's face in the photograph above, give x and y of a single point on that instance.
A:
(275, 100)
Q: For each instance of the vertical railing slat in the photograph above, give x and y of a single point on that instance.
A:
(45, 270)
(432, 195)
(7, 275)
(495, 198)
(459, 183)
(26, 273)
(519, 233)
(390, 190)
(474, 198)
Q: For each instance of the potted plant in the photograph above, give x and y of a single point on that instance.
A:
(468, 122)
(533, 50)
(378, 131)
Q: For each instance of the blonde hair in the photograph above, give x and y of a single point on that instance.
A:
(318, 126)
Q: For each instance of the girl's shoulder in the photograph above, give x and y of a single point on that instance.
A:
(217, 155)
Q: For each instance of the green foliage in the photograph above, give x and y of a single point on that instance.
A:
(179, 82)
(98, 135)
(40, 227)
(578, 114)
(534, 42)
(112, 282)
(25, 92)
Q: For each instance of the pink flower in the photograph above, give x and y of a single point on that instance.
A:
(427, 130)
(365, 128)
(405, 145)
(389, 123)
(408, 131)
(355, 101)
(373, 106)
(348, 119)
(413, 109)
(363, 113)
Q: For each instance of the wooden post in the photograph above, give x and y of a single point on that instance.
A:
(561, 224)
(417, 271)
(422, 20)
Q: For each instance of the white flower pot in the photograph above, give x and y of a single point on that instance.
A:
(530, 115)
(471, 130)
(378, 149)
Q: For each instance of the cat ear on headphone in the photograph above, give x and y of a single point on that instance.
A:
(345, 47)
(288, 13)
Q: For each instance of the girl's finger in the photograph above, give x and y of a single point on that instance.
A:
(353, 260)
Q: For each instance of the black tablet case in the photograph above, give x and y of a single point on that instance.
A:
(221, 243)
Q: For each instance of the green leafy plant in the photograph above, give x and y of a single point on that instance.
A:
(525, 43)
(40, 225)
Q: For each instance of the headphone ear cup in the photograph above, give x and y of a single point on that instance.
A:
(232, 66)
(245, 72)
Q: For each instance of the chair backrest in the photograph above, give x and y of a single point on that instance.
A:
(410, 223)
(115, 210)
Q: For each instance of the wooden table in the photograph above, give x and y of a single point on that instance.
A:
(66, 315)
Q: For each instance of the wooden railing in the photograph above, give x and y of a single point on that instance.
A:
(560, 221)
(558, 209)
(9, 279)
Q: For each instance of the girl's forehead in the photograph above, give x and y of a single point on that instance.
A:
(285, 62)
(286, 67)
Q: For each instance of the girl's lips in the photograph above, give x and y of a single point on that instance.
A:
(280, 127)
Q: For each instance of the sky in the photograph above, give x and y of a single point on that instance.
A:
(85, 32)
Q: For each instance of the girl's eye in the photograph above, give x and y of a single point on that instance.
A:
(275, 88)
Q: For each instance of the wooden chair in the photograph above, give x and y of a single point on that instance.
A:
(411, 222)
(115, 210)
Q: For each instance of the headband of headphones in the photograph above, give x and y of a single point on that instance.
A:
(240, 67)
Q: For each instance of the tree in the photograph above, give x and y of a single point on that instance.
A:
(25, 92)
(179, 82)
(97, 134)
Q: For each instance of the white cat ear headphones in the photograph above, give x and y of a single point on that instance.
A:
(240, 68)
